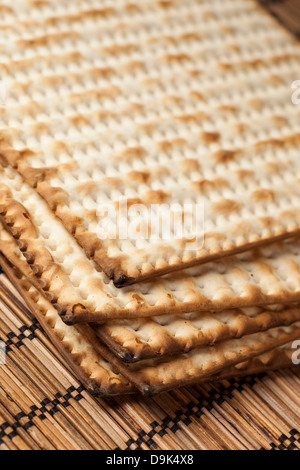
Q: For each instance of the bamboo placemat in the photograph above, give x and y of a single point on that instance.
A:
(43, 406)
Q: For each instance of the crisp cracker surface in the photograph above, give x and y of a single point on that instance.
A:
(86, 355)
(140, 339)
(98, 375)
(156, 376)
(81, 293)
(154, 102)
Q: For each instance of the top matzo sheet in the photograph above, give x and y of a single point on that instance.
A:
(165, 106)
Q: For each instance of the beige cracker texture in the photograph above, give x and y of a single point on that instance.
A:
(154, 102)
(276, 359)
(85, 354)
(96, 373)
(136, 340)
(131, 340)
(156, 376)
(82, 293)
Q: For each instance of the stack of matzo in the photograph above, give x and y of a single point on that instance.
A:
(152, 102)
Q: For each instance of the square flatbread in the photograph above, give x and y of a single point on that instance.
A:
(94, 364)
(154, 103)
(82, 293)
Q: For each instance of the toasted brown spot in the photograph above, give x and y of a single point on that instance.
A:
(165, 3)
(243, 174)
(292, 139)
(263, 195)
(225, 206)
(87, 188)
(91, 215)
(36, 175)
(225, 156)
(275, 167)
(131, 153)
(266, 222)
(148, 127)
(196, 95)
(107, 92)
(40, 127)
(5, 9)
(203, 185)
(9, 155)
(119, 48)
(100, 71)
(72, 18)
(208, 14)
(180, 57)
(131, 7)
(275, 80)
(46, 39)
(166, 145)
(139, 176)
(127, 203)
(233, 47)
(37, 3)
(95, 284)
(111, 181)
(78, 120)
(173, 98)
(149, 81)
(191, 36)
(228, 108)
(210, 137)
(54, 196)
(190, 164)
(269, 143)
(165, 38)
(278, 121)
(59, 146)
(277, 59)
(133, 64)
(255, 103)
(192, 117)
(155, 197)
(239, 128)
(225, 28)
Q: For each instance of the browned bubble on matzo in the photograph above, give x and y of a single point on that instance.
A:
(81, 293)
(97, 374)
(160, 375)
(154, 102)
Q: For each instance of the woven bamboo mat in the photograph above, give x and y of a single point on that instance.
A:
(43, 406)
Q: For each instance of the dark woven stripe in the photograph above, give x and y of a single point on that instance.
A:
(40, 412)
(26, 332)
(192, 409)
(287, 442)
(196, 409)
